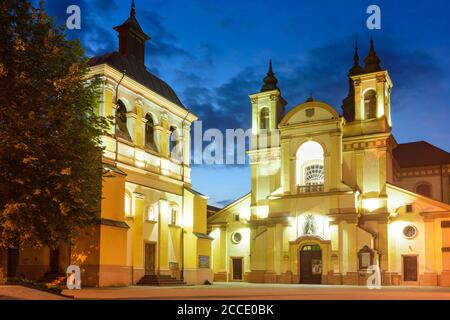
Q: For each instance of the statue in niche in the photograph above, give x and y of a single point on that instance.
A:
(309, 226)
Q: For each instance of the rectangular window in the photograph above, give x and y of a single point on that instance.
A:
(173, 216)
(409, 208)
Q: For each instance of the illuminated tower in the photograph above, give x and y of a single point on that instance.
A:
(368, 143)
(267, 110)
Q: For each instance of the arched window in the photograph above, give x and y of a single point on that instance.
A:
(121, 121)
(174, 143)
(150, 133)
(314, 174)
(264, 119)
(424, 189)
(310, 167)
(370, 105)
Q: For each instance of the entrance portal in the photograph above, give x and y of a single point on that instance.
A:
(150, 254)
(237, 269)
(409, 268)
(311, 265)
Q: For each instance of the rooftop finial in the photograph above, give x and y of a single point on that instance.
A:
(356, 56)
(356, 69)
(270, 81)
(133, 9)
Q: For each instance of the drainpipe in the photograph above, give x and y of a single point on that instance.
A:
(182, 199)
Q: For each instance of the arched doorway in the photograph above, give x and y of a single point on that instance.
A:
(311, 264)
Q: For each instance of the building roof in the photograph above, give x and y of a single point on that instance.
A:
(211, 210)
(420, 154)
(138, 73)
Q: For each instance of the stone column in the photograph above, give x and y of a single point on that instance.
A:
(429, 278)
(359, 108)
(270, 275)
(139, 133)
(109, 107)
(383, 249)
(329, 179)
(351, 264)
(293, 175)
(382, 163)
(138, 249)
(335, 270)
(381, 82)
(131, 125)
(445, 249)
(164, 135)
(285, 174)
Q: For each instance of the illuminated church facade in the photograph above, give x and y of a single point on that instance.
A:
(333, 196)
(151, 228)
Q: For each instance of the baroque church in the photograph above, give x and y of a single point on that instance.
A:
(335, 196)
(331, 195)
(152, 225)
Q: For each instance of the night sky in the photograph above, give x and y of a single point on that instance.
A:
(214, 53)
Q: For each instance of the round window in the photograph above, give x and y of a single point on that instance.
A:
(236, 237)
(410, 232)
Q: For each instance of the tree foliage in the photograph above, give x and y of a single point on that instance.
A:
(50, 148)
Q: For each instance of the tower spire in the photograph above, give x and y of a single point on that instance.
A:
(372, 61)
(133, 9)
(132, 38)
(356, 56)
(270, 81)
(356, 69)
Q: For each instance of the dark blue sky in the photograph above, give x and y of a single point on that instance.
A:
(215, 52)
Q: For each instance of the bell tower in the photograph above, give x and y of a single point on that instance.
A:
(267, 105)
(368, 105)
(267, 111)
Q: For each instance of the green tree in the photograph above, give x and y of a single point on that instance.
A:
(50, 147)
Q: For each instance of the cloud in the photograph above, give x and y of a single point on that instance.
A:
(163, 43)
(96, 38)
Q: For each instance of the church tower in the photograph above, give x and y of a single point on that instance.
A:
(368, 143)
(267, 105)
(267, 111)
(367, 106)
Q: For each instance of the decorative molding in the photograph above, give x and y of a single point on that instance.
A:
(381, 78)
(139, 101)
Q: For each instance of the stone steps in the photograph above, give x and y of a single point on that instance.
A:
(160, 280)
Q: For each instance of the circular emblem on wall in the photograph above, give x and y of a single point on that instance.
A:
(410, 232)
(236, 237)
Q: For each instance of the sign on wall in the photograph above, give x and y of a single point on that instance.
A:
(203, 262)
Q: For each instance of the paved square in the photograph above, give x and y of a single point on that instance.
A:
(246, 291)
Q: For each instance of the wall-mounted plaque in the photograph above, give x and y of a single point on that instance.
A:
(173, 265)
(365, 257)
(203, 262)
